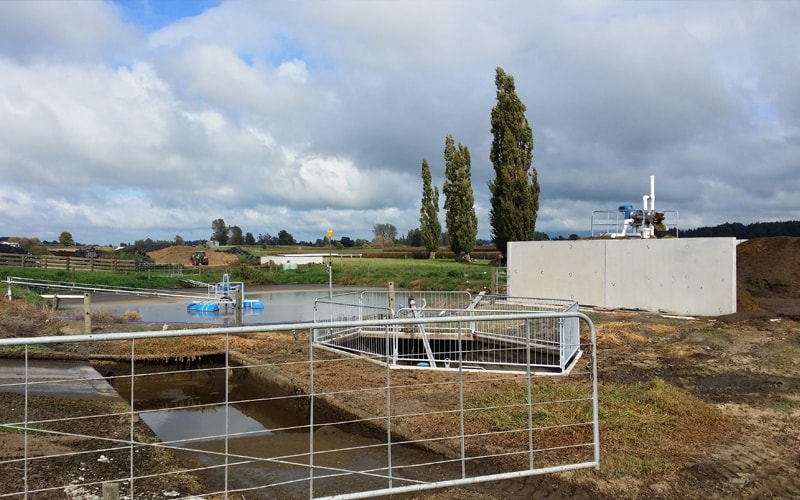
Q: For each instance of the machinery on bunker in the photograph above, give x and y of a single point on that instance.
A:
(199, 258)
(629, 222)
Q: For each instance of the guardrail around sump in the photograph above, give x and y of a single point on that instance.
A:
(546, 343)
(448, 428)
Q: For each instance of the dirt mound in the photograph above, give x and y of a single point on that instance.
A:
(182, 254)
(768, 277)
(770, 267)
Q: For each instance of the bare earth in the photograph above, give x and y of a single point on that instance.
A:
(182, 254)
(746, 366)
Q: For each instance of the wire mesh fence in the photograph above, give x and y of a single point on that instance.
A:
(266, 412)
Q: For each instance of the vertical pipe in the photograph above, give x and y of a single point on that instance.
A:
(388, 395)
(461, 424)
(227, 410)
(25, 437)
(652, 192)
(529, 383)
(132, 417)
(311, 390)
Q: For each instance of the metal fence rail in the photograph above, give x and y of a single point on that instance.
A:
(66, 286)
(383, 432)
(606, 222)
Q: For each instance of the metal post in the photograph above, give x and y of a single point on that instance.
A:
(330, 264)
(87, 313)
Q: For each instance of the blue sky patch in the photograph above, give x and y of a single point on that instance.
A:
(152, 15)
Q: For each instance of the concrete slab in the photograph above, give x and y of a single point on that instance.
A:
(71, 379)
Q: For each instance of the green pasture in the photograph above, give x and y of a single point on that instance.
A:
(410, 274)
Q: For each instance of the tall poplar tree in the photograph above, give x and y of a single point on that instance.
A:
(220, 231)
(515, 189)
(429, 224)
(462, 223)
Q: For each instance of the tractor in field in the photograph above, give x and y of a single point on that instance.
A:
(199, 259)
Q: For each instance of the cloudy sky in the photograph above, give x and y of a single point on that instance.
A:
(147, 119)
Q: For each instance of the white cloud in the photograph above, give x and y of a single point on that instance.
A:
(275, 116)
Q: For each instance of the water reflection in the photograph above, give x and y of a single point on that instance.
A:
(187, 427)
(268, 445)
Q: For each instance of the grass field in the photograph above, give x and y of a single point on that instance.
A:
(410, 274)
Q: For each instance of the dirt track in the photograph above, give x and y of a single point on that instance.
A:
(745, 365)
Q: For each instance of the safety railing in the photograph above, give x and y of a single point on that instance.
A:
(353, 428)
(551, 344)
(608, 222)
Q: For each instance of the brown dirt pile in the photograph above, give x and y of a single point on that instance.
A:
(770, 267)
(182, 254)
(768, 276)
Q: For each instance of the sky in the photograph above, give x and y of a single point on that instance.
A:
(136, 119)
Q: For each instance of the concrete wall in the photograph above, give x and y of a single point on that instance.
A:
(695, 276)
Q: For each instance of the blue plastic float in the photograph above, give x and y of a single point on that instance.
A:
(223, 293)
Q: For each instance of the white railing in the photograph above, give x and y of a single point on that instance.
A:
(548, 343)
(608, 222)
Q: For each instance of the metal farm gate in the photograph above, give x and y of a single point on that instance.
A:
(527, 407)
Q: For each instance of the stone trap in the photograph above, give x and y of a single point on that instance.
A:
(441, 332)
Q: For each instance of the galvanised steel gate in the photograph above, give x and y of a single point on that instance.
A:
(381, 432)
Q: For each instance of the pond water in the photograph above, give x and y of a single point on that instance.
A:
(268, 436)
(280, 306)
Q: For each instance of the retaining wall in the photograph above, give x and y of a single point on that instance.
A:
(695, 276)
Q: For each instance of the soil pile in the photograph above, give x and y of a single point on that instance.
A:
(770, 267)
(182, 254)
(768, 276)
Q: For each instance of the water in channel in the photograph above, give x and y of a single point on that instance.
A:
(268, 439)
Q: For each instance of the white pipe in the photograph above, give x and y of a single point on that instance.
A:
(652, 192)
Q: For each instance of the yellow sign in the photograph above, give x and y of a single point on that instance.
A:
(330, 233)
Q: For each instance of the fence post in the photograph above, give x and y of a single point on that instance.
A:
(391, 297)
(87, 313)
(110, 491)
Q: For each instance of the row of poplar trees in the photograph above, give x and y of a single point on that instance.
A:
(514, 190)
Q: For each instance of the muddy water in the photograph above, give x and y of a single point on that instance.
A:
(280, 306)
(268, 442)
